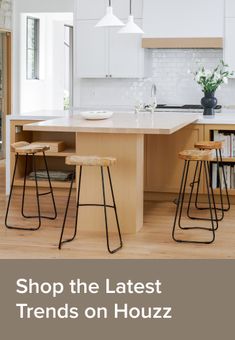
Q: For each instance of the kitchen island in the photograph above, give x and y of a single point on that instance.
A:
(121, 136)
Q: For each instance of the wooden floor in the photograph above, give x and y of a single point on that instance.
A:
(152, 242)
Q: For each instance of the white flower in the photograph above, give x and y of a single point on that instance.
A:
(208, 73)
(217, 76)
(225, 80)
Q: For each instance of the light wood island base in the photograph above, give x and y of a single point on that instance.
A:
(128, 180)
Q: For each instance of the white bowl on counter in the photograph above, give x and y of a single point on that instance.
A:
(96, 115)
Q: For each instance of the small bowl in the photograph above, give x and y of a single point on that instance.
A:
(96, 115)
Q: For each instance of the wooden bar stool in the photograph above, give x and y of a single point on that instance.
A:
(203, 156)
(217, 147)
(30, 150)
(94, 161)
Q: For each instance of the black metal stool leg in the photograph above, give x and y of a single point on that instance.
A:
(225, 183)
(37, 198)
(197, 181)
(192, 186)
(180, 201)
(218, 219)
(198, 186)
(115, 209)
(40, 194)
(37, 192)
(211, 204)
(105, 213)
(24, 187)
(51, 190)
(214, 208)
(10, 195)
(67, 207)
(183, 195)
(219, 163)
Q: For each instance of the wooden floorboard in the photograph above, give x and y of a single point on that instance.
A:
(152, 242)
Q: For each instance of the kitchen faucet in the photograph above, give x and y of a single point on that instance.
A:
(154, 95)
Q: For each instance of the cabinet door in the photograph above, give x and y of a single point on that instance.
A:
(90, 9)
(229, 44)
(125, 55)
(163, 167)
(122, 8)
(91, 50)
(230, 8)
(183, 18)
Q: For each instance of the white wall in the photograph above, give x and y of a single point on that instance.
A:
(20, 98)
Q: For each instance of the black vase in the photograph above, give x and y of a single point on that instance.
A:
(209, 103)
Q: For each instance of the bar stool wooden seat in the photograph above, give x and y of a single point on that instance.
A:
(204, 157)
(27, 150)
(209, 145)
(91, 161)
(217, 147)
(24, 148)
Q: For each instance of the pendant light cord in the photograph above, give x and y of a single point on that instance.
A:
(109, 3)
(130, 7)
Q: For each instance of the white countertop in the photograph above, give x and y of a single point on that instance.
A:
(120, 122)
(225, 117)
(39, 115)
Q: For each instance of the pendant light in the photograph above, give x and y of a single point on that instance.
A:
(109, 20)
(131, 27)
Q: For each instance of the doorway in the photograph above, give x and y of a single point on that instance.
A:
(5, 86)
(46, 63)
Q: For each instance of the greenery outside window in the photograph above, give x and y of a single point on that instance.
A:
(32, 48)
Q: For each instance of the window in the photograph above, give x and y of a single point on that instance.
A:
(32, 48)
(68, 67)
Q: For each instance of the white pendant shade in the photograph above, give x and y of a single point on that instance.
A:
(131, 27)
(109, 20)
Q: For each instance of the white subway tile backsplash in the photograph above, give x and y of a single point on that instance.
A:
(169, 72)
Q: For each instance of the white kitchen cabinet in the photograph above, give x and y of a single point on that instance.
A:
(95, 9)
(103, 53)
(229, 8)
(91, 50)
(125, 55)
(229, 43)
(183, 18)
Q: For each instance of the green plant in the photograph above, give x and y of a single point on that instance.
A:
(211, 80)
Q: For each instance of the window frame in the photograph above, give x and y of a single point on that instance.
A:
(35, 49)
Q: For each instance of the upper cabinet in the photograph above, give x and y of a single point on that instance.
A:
(183, 18)
(95, 9)
(91, 50)
(126, 57)
(102, 52)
